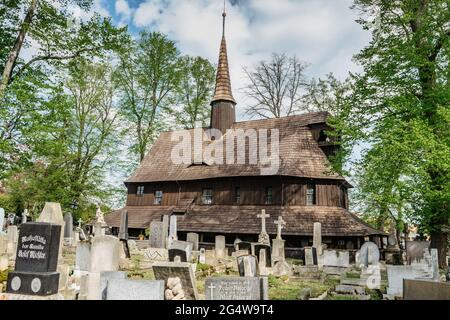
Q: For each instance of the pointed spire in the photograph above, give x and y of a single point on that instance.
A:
(223, 83)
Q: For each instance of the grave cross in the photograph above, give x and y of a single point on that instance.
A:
(263, 217)
(79, 222)
(212, 287)
(280, 225)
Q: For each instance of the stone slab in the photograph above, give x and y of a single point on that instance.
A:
(425, 290)
(236, 288)
(126, 289)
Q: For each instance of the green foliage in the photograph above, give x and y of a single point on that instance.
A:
(194, 92)
(398, 112)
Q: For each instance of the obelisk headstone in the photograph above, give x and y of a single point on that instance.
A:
(52, 213)
(317, 238)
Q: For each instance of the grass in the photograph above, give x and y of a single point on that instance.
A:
(289, 289)
(352, 275)
(341, 297)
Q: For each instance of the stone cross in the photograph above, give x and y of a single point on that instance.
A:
(263, 236)
(212, 287)
(79, 222)
(280, 225)
(263, 217)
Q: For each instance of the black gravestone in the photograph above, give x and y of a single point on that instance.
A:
(36, 260)
(258, 248)
(177, 252)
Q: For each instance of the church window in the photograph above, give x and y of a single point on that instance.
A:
(269, 195)
(237, 195)
(158, 197)
(207, 196)
(140, 190)
(311, 194)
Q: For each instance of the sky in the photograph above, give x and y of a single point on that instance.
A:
(322, 33)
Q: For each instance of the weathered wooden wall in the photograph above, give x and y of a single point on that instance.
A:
(252, 190)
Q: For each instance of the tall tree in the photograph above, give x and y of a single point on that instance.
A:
(326, 94)
(194, 92)
(25, 84)
(148, 75)
(73, 143)
(400, 108)
(275, 87)
(48, 24)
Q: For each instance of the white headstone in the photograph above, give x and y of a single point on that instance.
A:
(317, 237)
(220, 247)
(2, 219)
(369, 254)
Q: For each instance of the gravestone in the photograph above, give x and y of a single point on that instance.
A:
(192, 237)
(157, 239)
(268, 256)
(173, 226)
(263, 237)
(277, 250)
(282, 268)
(107, 276)
(202, 256)
(236, 288)
(182, 270)
(335, 258)
(369, 254)
(245, 245)
(11, 245)
(165, 229)
(126, 289)
(310, 256)
(247, 266)
(415, 250)
(317, 237)
(425, 290)
(104, 254)
(183, 245)
(220, 247)
(2, 219)
(83, 256)
(36, 260)
(68, 226)
(52, 213)
(123, 229)
(177, 255)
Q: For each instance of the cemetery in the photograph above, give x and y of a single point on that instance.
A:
(214, 206)
(56, 260)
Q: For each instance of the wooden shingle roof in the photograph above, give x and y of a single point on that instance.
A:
(243, 220)
(299, 153)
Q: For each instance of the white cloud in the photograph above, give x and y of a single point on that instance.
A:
(123, 9)
(320, 32)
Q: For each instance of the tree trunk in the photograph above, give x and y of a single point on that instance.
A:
(15, 51)
(439, 240)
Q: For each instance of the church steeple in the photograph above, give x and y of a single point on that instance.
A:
(223, 82)
(223, 114)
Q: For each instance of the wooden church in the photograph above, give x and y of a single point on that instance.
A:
(225, 198)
